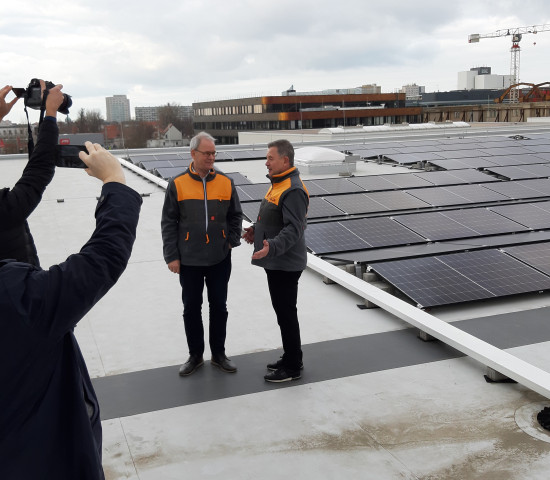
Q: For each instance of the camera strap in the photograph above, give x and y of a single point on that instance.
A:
(30, 142)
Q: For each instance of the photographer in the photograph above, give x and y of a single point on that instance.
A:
(50, 426)
(18, 203)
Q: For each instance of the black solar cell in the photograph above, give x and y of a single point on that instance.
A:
(320, 208)
(323, 238)
(537, 255)
(429, 282)
(532, 215)
(498, 273)
(337, 185)
(250, 210)
(484, 222)
(461, 277)
(253, 191)
(437, 196)
(435, 226)
(356, 203)
(382, 232)
(475, 193)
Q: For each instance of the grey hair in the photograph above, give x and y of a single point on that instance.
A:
(284, 148)
(196, 140)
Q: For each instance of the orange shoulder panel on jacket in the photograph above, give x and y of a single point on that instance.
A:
(219, 188)
(188, 189)
(277, 189)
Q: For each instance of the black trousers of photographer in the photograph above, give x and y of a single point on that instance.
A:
(192, 280)
(283, 289)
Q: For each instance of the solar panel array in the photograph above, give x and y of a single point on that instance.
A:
(167, 164)
(467, 276)
(475, 194)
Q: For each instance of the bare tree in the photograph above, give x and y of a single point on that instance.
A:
(136, 134)
(89, 121)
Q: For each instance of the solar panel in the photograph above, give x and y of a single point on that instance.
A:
(404, 158)
(440, 178)
(461, 144)
(152, 164)
(407, 180)
(320, 208)
(313, 189)
(169, 172)
(536, 255)
(437, 196)
(484, 222)
(322, 238)
(180, 162)
(337, 185)
(506, 150)
(465, 153)
(250, 210)
(373, 182)
(532, 215)
(435, 226)
(418, 148)
(472, 176)
(382, 232)
(541, 185)
(238, 178)
(461, 277)
(499, 273)
(244, 154)
(168, 156)
(459, 164)
(474, 162)
(375, 150)
(513, 189)
(222, 156)
(505, 160)
(512, 172)
(252, 191)
(429, 282)
(541, 148)
(356, 203)
(397, 200)
(475, 193)
(135, 159)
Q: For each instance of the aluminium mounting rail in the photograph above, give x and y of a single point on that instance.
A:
(522, 372)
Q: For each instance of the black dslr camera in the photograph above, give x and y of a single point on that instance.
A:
(33, 96)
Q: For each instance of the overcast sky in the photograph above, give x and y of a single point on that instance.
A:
(186, 51)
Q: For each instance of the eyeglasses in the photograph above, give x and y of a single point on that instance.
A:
(208, 154)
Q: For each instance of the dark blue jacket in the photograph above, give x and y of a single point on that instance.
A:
(18, 203)
(49, 416)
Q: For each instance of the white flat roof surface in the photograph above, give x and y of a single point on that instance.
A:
(397, 408)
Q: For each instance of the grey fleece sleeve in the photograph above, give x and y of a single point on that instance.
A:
(294, 210)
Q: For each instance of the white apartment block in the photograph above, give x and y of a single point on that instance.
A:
(118, 108)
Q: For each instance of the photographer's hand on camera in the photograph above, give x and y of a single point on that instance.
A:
(53, 100)
(102, 164)
(5, 107)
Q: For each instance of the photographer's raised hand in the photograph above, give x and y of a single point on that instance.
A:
(5, 107)
(53, 100)
(102, 164)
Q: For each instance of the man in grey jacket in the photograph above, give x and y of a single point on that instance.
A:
(279, 247)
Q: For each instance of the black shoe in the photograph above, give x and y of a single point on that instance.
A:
(223, 363)
(193, 362)
(279, 364)
(282, 375)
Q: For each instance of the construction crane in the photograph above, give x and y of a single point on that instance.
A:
(516, 34)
